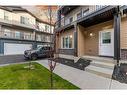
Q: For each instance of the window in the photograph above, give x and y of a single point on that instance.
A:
(24, 20)
(98, 7)
(17, 34)
(85, 12)
(38, 37)
(67, 41)
(106, 38)
(6, 15)
(79, 15)
(47, 28)
(27, 36)
(70, 19)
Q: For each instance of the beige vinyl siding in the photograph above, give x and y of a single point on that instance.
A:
(63, 34)
(123, 33)
(90, 45)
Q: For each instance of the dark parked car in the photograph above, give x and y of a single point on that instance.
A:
(33, 54)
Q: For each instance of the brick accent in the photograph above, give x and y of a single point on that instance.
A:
(66, 51)
(124, 54)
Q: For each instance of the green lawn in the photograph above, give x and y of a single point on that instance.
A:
(18, 77)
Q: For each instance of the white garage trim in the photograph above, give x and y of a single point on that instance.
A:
(14, 48)
(42, 45)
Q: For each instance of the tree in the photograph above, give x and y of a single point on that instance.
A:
(50, 12)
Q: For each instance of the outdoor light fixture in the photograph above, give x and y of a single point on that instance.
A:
(70, 36)
(91, 34)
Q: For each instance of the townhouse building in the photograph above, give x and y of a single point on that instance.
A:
(20, 30)
(92, 30)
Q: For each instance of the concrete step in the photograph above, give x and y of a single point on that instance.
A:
(103, 64)
(104, 72)
(101, 59)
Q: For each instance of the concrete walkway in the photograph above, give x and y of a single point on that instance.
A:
(83, 79)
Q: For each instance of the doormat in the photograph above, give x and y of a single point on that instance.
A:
(120, 73)
(80, 64)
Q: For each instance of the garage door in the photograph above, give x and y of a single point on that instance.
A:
(11, 48)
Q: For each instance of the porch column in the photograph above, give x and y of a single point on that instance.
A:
(117, 35)
(59, 18)
(75, 40)
(35, 40)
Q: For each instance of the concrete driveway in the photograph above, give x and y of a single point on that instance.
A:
(12, 59)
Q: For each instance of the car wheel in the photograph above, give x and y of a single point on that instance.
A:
(34, 57)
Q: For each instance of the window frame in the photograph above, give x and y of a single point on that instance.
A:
(79, 14)
(6, 15)
(63, 42)
(24, 20)
(85, 12)
(19, 34)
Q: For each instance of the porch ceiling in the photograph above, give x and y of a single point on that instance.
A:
(66, 9)
(66, 27)
(103, 15)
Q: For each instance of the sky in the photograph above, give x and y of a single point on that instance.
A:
(41, 13)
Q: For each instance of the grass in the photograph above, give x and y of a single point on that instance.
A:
(17, 77)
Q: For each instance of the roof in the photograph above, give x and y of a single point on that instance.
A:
(20, 9)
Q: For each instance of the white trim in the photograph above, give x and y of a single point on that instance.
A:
(67, 36)
(112, 39)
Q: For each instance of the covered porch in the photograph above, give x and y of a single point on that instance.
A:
(99, 34)
(96, 40)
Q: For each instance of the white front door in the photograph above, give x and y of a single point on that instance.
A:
(106, 43)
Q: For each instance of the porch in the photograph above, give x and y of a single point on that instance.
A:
(96, 40)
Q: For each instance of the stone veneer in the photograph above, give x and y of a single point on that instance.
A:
(124, 54)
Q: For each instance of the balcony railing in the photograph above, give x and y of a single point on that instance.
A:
(17, 23)
(83, 13)
(43, 38)
(13, 35)
(27, 25)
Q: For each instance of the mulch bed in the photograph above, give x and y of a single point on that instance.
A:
(80, 64)
(120, 73)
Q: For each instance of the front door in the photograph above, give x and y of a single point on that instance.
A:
(106, 43)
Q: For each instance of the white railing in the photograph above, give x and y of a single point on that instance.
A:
(18, 23)
(13, 35)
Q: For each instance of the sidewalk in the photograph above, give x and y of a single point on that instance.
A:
(83, 79)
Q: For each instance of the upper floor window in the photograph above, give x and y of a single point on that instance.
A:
(17, 34)
(99, 7)
(79, 15)
(27, 36)
(70, 19)
(47, 28)
(24, 20)
(38, 37)
(85, 12)
(6, 15)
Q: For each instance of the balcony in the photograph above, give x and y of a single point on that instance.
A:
(88, 14)
(12, 35)
(42, 30)
(17, 23)
(43, 38)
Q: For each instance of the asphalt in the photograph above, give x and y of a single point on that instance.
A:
(10, 59)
